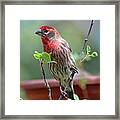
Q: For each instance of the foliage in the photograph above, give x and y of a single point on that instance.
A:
(44, 57)
(88, 54)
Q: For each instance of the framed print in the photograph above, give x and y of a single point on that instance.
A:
(59, 60)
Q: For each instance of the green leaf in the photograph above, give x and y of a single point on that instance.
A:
(76, 97)
(37, 55)
(36, 52)
(94, 54)
(88, 49)
(46, 57)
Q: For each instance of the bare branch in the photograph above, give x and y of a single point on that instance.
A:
(46, 82)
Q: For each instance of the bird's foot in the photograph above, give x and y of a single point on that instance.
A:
(63, 95)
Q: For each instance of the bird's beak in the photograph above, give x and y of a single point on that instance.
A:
(39, 32)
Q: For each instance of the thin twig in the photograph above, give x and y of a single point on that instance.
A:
(89, 31)
(84, 58)
(90, 28)
(46, 82)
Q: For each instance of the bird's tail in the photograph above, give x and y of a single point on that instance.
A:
(70, 91)
(70, 94)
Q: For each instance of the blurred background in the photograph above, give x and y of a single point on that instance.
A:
(72, 31)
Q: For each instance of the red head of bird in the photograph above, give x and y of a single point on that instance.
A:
(50, 37)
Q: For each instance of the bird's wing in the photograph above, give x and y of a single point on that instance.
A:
(65, 44)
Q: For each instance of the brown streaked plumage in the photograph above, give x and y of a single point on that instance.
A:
(64, 69)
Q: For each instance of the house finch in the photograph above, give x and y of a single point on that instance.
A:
(63, 69)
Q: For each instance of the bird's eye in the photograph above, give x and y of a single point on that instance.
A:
(45, 31)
